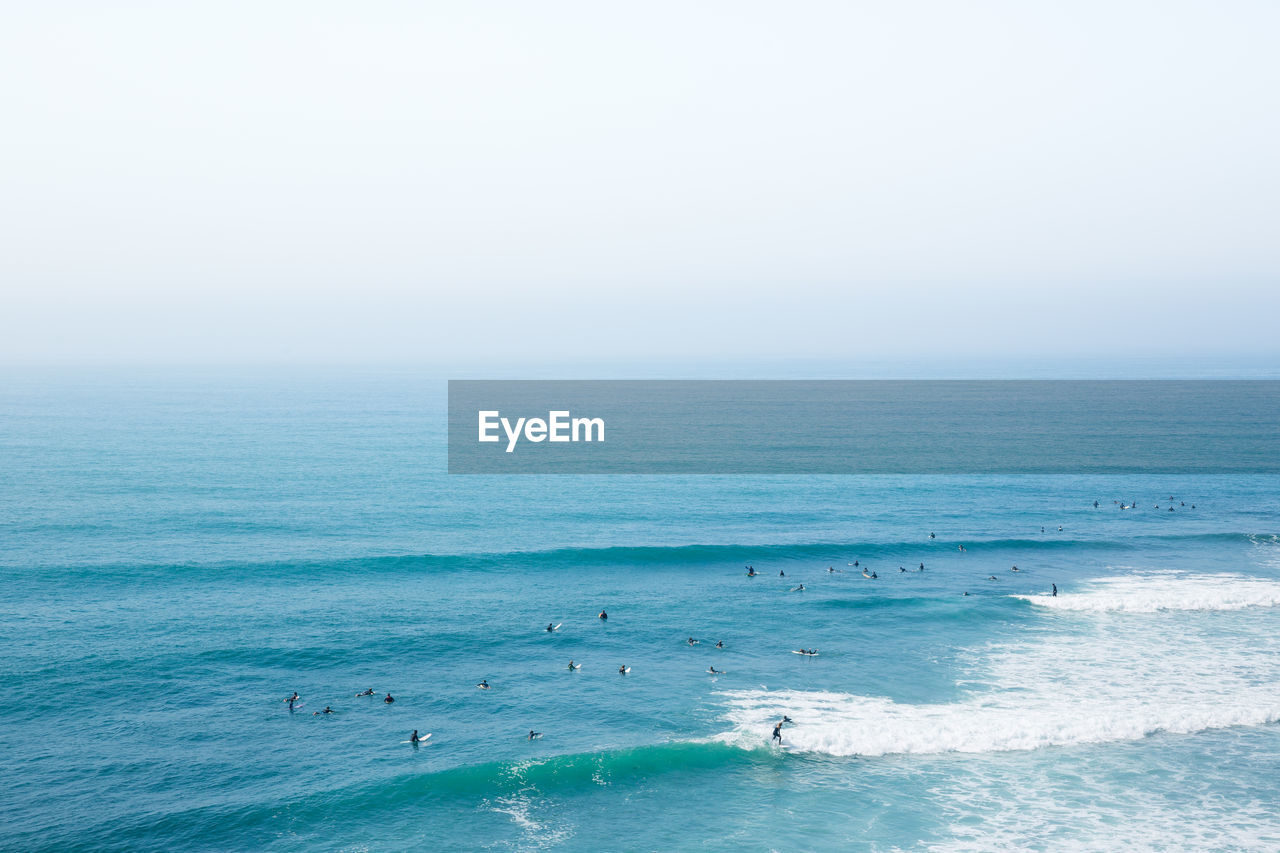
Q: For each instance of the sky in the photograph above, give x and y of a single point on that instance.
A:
(492, 183)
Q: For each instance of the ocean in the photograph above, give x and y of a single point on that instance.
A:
(181, 551)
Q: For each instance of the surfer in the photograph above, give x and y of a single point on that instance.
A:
(294, 698)
(719, 644)
(751, 572)
(533, 734)
(413, 738)
(781, 573)
(622, 670)
(327, 710)
(777, 733)
(692, 641)
(931, 536)
(799, 588)
(1055, 590)
(604, 616)
(1014, 569)
(484, 684)
(921, 569)
(1095, 504)
(368, 692)
(389, 699)
(573, 666)
(713, 671)
(875, 576)
(550, 627)
(993, 577)
(901, 569)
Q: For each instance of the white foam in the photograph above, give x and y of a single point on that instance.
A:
(1102, 680)
(1152, 592)
(846, 724)
(520, 809)
(1042, 808)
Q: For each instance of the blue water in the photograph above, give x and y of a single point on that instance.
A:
(178, 553)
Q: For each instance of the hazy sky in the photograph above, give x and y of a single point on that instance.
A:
(425, 181)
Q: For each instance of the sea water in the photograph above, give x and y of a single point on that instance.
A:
(178, 554)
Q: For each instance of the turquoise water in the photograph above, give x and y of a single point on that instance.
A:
(179, 554)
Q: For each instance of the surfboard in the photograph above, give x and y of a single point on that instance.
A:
(536, 736)
(625, 670)
(297, 705)
(556, 627)
(806, 654)
(483, 686)
(421, 738)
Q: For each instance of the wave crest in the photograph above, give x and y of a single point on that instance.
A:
(1154, 592)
